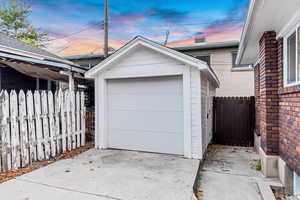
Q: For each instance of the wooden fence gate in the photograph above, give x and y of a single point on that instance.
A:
(40, 125)
(234, 121)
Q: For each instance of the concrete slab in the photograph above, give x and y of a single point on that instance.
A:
(108, 174)
(227, 174)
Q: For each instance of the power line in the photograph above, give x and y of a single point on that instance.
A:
(74, 33)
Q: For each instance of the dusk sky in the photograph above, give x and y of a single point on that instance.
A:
(74, 26)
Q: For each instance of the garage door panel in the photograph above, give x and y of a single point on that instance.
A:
(146, 114)
(147, 141)
(148, 121)
(155, 85)
(146, 102)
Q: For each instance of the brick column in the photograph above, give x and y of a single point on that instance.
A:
(269, 99)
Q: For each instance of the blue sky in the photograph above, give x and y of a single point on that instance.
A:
(74, 26)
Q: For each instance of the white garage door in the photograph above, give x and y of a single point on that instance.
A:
(146, 114)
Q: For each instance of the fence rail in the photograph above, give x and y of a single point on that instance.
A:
(40, 125)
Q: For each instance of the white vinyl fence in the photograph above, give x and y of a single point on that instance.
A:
(37, 126)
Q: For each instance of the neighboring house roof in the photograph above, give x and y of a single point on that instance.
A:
(17, 44)
(141, 41)
(15, 49)
(268, 15)
(86, 56)
(195, 46)
(208, 45)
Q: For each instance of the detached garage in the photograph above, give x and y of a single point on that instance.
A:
(155, 99)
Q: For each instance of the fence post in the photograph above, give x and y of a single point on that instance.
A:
(78, 125)
(5, 131)
(63, 119)
(15, 136)
(31, 127)
(45, 124)
(23, 130)
(57, 121)
(39, 130)
(72, 107)
(51, 124)
(82, 119)
(69, 126)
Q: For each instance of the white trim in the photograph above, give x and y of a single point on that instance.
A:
(246, 30)
(187, 113)
(200, 116)
(97, 113)
(102, 117)
(286, 56)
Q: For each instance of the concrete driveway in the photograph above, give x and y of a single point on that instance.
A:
(106, 175)
(228, 174)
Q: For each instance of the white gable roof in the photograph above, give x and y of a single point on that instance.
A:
(141, 41)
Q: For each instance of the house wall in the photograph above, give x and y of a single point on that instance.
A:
(233, 82)
(278, 107)
(144, 62)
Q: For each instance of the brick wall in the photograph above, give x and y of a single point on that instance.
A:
(269, 99)
(257, 99)
(289, 118)
(278, 108)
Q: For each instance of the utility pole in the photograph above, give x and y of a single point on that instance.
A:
(105, 28)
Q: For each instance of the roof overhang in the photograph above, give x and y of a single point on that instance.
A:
(265, 15)
(208, 45)
(63, 66)
(32, 55)
(141, 41)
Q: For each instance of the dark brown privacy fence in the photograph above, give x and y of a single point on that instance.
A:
(234, 121)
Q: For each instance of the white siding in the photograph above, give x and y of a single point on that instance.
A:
(144, 62)
(232, 82)
(207, 93)
(196, 114)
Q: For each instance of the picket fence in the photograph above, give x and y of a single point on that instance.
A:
(37, 126)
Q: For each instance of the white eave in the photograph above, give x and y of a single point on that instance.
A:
(265, 15)
(208, 45)
(141, 41)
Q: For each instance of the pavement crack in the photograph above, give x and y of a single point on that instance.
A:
(71, 190)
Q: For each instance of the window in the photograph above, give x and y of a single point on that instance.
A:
(234, 55)
(205, 58)
(292, 61)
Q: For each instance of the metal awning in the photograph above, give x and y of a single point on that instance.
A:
(41, 69)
